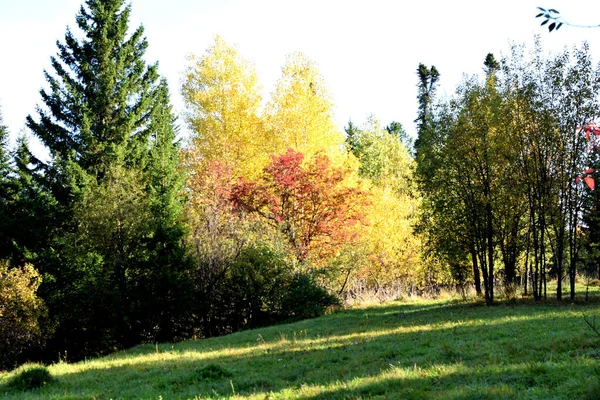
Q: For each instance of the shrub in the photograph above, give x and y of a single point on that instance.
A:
(30, 376)
(212, 372)
(306, 299)
(258, 289)
(249, 294)
(20, 312)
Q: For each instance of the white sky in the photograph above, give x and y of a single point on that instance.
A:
(367, 51)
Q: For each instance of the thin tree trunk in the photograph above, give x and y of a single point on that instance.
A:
(476, 273)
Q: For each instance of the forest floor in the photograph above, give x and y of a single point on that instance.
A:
(414, 349)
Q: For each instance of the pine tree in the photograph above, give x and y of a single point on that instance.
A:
(33, 212)
(118, 255)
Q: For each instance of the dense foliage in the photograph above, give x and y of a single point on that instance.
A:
(21, 311)
(501, 165)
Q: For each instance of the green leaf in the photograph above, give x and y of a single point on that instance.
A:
(559, 25)
(545, 22)
(551, 26)
(539, 15)
(552, 10)
(543, 9)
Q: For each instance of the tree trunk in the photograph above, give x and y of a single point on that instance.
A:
(476, 273)
(490, 251)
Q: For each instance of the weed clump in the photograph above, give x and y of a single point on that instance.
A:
(212, 372)
(29, 377)
(592, 390)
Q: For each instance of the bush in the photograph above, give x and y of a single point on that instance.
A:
(259, 289)
(306, 299)
(30, 376)
(249, 295)
(20, 312)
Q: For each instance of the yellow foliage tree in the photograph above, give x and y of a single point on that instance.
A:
(390, 247)
(223, 99)
(20, 312)
(300, 114)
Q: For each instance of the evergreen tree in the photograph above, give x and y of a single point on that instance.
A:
(118, 255)
(24, 209)
(101, 94)
(352, 133)
(427, 134)
(166, 269)
(33, 213)
(5, 242)
(428, 79)
(395, 129)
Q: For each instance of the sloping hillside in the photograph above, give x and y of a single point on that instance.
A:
(411, 350)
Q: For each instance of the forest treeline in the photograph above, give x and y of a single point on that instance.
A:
(506, 169)
(268, 212)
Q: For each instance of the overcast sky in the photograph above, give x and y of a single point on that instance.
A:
(367, 51)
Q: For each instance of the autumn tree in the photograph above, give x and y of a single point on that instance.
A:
(299, 114)
(223, 101)
(553, 95)
(389, 245)
(572, 108)
(446, 216)
(218, 232)
(20, 313)
(508, 169)
(307, 202)
(461, 180)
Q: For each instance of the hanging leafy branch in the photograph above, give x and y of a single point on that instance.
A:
(551, 15)
(556, 20)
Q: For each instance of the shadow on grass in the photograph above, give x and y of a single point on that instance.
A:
(354, 346)
(502, 382)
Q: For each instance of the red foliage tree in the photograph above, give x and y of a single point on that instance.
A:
(309, 203)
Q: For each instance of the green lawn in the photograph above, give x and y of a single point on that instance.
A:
(438, 349)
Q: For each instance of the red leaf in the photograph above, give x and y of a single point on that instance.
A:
(589, 181)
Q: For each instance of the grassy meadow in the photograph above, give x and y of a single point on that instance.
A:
(414, 349)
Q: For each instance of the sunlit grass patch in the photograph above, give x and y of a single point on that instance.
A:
(417, 349)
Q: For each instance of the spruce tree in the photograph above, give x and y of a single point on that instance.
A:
(110, 131)
(165, 273)
(5, 240)
(33, 212)
(101, 94)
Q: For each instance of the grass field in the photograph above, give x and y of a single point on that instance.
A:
(434, 349)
